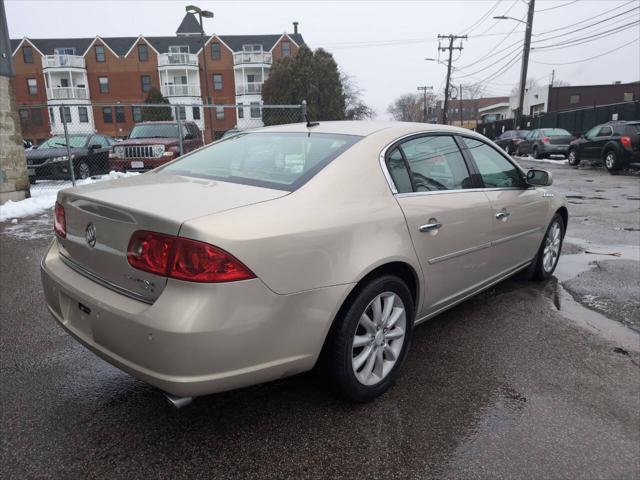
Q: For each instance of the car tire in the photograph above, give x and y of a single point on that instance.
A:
(546, 260)
(32, 180)
(536, 153)
(83, 171)
(611, 161)
(363, 355)
(573, 158)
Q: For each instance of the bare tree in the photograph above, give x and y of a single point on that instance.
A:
(356, 109)
(472, 91)
(561, 83)
(410, 107)
(532, 84)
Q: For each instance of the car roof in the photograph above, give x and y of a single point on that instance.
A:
(363, 128)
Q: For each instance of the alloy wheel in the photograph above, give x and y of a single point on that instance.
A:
(84, 171)
(551, 247)
(378, 339)
(610, 160)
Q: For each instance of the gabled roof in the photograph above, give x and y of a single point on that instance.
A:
(236, 42)
(189, 25)
(120, 45)
(162, 44)
(48, 45)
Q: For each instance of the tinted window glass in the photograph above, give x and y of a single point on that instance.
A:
(593, 132)
(156, 130)
(398, 171)
(435, 163)
(495, 170)
(522, 133)
(75, 141)
(605, 132)
(273, 160)
(555, 132)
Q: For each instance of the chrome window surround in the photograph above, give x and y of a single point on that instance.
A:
(394, 189)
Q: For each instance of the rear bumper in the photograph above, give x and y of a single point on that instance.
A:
(195, 339)
(555, 149)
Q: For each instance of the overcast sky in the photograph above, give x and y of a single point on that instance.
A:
(383, 44)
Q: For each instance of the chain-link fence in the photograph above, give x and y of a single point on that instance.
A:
(69, 143)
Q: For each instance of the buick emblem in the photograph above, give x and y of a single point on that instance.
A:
(90, 235)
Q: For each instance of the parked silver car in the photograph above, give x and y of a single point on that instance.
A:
(260, 255)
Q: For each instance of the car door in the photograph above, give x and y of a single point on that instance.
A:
(525, 146)
(503, 139)
(588, 149)
(602, 138)
(99, 156)
(449, 222)
(519, 212)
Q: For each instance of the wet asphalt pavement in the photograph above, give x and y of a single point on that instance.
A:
(506, 385)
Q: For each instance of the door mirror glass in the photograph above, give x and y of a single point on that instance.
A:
(188, 136)
(539, 178)
(95, 146)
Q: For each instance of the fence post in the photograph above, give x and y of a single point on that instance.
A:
(177, 114)
(303, 110)
(66, 141)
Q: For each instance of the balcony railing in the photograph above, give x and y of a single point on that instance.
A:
(63, 61)
(240, 58)
(249, 88)
(189, 90)
(177, 59)
(60, 93)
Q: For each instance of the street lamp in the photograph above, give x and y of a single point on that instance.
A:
(206, 14)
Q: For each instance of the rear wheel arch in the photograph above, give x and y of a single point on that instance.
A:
(564, 214)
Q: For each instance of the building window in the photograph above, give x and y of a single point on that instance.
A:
(52, 118)
(143, 53)
(286, 49)
(145, 82)
(255, 109)
(100, 53)
(36, 116)
(136, 114)
(182, 112)
(196, 113)
(628, 97)
(215, 51)
(107, 115)
(120, 114)
(27, 54)
(217, 81)
(24, 116)
(219, 113)
(574, 99)
(241, 110)
(32, 86)
(83, 114)
(65, 114)
(104, 84)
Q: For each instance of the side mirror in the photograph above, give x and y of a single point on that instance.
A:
(95, 146)
(188, 136)
(539, 178)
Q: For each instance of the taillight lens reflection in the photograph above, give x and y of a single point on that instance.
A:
(60, 221)
(184, 259)
(625, 141)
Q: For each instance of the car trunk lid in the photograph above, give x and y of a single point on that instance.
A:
(560, 139)
(113, 210)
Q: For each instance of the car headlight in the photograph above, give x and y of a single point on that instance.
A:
(63, 158)
(118, 151)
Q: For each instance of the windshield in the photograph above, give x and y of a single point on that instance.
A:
(75, 141)
(156, 130)
(555, 132)
(273, 160)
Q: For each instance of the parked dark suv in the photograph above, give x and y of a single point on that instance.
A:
(151, 144)
(544, 142)
(616, 144)
(510, 139)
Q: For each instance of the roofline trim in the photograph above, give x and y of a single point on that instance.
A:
(25, 39)
(209, 41)
(280, 38)
(135, 42)
(98, 37)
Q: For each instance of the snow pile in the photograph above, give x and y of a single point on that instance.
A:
(44, 196)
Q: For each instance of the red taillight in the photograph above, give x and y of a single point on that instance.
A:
(546, 139)
(59, 221)
(184, 259)
(625, 141)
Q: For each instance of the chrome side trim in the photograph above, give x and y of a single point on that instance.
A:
(459, 253)
(514, 236)
(105, 283)
(462, 190)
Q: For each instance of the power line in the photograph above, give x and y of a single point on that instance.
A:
(478, 22)
(557, 6)
(515, 2)
(586, 39)
(590, 58)
(517, 49)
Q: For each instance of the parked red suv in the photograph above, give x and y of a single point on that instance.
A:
(152, 144)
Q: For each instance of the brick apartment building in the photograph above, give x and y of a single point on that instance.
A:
(91, 76)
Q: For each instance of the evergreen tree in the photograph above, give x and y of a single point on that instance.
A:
(154, 97)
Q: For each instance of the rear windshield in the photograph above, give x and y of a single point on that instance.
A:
(158, 130)
(522, 133)
(555, 132)
(272, 159)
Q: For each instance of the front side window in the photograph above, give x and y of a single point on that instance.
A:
(120, 118)
(605, 132)
(273, 160)
(145, 82)
(215, 51)
(27, 54)
(217, 81)
(83, 114)
(107, 114)
(100, 53)
(592, 133)
(435, 163)
(286, 49)
(495, 170)
(143, 53)
(104, 84)
(32, 86)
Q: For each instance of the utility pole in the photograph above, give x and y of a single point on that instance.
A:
(553, 76)
(424, 89)
(461, 116)
(451, 48)
(525, 61)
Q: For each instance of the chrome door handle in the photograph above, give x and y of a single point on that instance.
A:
(503, 215)
(429, 227)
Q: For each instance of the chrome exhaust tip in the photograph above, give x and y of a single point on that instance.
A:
(178, 402)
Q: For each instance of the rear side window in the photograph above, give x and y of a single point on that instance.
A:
(436, 163)
(605, 132)
(281, 160)
(398, 171)
(495, 170)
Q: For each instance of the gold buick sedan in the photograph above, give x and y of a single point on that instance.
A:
(273, 250)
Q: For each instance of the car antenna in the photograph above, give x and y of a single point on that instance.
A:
(309, 122)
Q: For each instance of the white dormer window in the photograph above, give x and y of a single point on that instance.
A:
(252, 48)
(64, 51)
(178, 48)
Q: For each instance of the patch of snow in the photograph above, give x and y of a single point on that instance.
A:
(43, 196)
